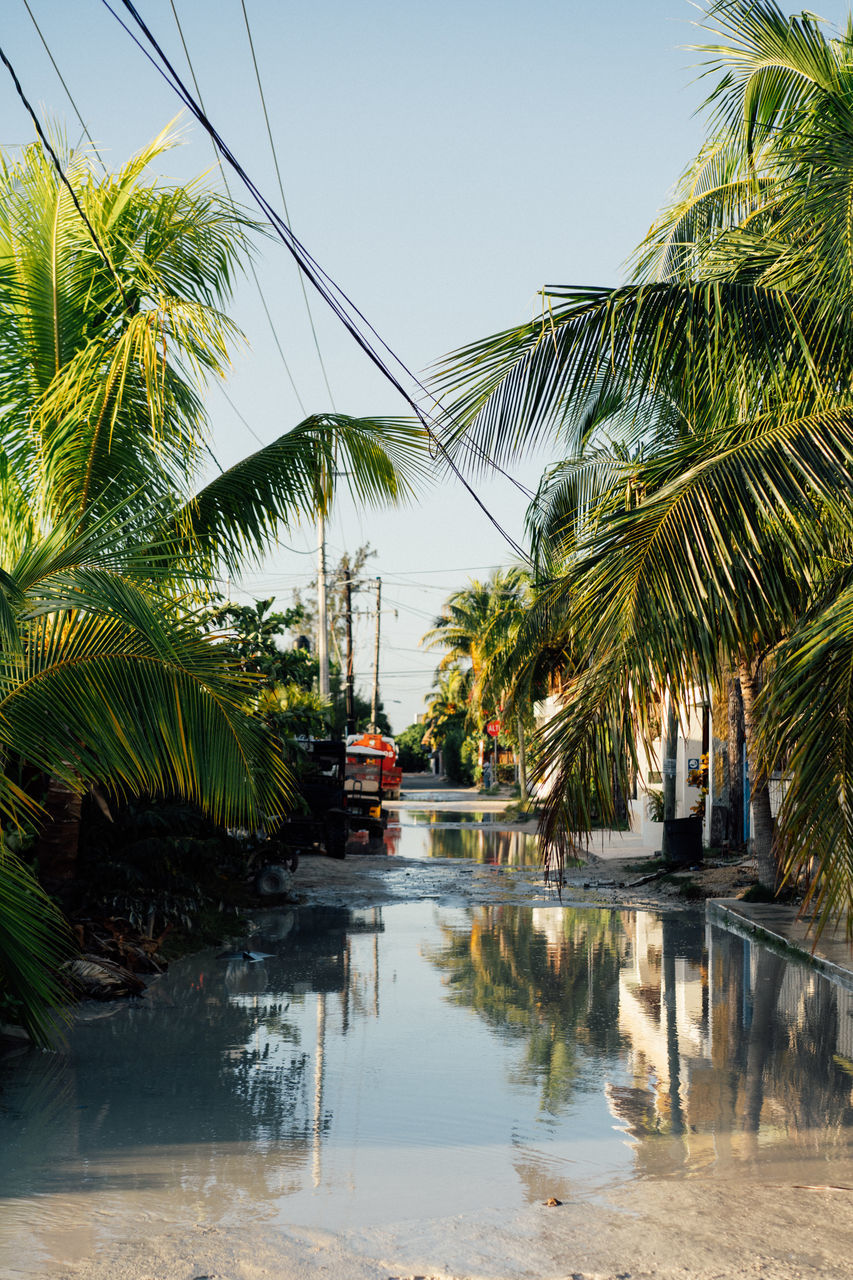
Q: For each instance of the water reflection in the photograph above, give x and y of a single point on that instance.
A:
(441, 817)
(503, 1053)
(215, 1055)
(547, 977)
(429, 835)
(700, 1035)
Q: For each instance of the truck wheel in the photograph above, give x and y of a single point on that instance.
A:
(273, 879)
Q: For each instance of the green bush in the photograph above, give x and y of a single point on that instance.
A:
(456, 767)
(412, 755)
(655, 799)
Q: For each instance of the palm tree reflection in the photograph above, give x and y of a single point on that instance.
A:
(703, 1041)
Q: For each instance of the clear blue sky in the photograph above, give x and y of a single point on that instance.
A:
(442, 159)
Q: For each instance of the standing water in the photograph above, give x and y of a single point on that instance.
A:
(417, 1061)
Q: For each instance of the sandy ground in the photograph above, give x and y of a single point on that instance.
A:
(775, 1223)
(701, 1228)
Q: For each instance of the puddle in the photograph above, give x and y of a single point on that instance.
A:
(451, 817)
(475, 836)
(417, 1061)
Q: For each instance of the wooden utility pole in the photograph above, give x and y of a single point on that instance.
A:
(350, 683)
(374, 702)
(322, 614)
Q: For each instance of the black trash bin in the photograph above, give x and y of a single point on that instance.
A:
(682, 841)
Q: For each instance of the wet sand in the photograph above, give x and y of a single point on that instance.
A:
(703, 1228)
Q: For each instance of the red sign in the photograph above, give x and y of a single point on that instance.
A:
(493, 728)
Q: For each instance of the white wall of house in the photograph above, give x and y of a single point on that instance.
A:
(650, 778)
(650, 773)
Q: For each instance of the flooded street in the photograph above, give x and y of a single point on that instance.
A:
(407, 1084)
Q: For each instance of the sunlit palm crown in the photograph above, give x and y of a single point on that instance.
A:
(111, 325)
(108, 338)
(700, 516)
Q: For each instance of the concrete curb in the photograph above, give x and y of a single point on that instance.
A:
(782, 929)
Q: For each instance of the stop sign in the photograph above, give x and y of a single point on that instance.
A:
(493, 728)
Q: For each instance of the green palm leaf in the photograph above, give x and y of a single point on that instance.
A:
(379, 460)
(34, 942)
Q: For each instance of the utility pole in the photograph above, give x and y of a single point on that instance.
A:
(322, 616)
(350, 685)
(374, 702)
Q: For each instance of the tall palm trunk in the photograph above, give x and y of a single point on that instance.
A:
(734, 734)
(57, 844)
(522, 760)
(762, 815)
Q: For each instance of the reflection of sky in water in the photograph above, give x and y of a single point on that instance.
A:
(417, 1061)
(415, 833)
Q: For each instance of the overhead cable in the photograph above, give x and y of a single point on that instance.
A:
(284, 201)
(267, 312)
(46, 143)
(68, 93)
(340, 303)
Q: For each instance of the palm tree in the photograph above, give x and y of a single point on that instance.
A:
(448, 703)
(722, 540)
(480, 624)
(110, 327)
(105, 344)
(107, 681)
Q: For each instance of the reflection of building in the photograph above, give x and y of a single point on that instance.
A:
(663, 1020)
(730, 1049)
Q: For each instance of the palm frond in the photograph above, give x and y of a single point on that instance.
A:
(703, 348)
(378, 460)
(34, 942)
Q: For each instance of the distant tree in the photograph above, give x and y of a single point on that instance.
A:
(412, 755)
(348, 567)
(456, 760)
(257, 638)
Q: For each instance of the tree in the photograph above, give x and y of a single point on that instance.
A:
(108, 335)
(348, 568)
(447, 705)
(412, 756)
(107, 682)
(254, 636)
(480, 624)
(110, 327)
(720, 541)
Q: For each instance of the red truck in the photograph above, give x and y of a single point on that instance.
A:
(371, 776)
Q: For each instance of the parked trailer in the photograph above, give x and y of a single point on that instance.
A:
(341, 790)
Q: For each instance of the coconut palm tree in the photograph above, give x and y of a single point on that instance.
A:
(723, 539)
(480, 625)
(111, 326)
(448, 702)
(112, 323)
(107, 681)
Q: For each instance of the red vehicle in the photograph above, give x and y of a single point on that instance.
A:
(363, 748)
(371, 776)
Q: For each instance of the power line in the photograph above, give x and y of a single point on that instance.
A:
(245, 423)
(267, 312)
(64, 85)
(284, 201)
(339, 302)
(45, 141)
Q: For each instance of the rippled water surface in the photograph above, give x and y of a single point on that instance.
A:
(421, 1060)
